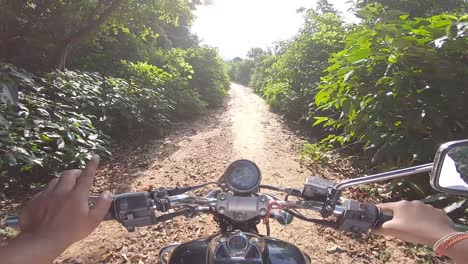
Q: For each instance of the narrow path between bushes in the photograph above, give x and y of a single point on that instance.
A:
(199, 151)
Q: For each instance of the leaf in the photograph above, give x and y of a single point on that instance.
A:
(60, 144)
(46, 138)
(4, 122)
(392, 59)
(26, 168)
(348, 75)
(43, 112)
(454, 206)
(435, 197)
(20, 150)
(320, 120)
(360, 54)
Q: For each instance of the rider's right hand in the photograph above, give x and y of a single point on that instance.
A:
(419, 223)
(416, 222)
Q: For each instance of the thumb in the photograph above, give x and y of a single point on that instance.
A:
(387, 207)
(99, 210)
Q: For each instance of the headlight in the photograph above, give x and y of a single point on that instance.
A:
(243, 176)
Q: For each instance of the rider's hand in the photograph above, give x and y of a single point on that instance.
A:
(57, 217)
(415, 222)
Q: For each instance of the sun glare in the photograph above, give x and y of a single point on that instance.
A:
(235, 26)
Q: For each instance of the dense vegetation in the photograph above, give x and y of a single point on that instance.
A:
(392, 87)
(75, 75)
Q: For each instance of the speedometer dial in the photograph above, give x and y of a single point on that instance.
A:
(242, 176)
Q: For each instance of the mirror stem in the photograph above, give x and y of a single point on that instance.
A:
(384, 176)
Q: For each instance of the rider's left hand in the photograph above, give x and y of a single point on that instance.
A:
(57, 217)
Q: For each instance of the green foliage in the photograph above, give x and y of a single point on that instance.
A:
(135, 68)
(289, 80)
(52, 123)
(210, 78)
(39, 133)
(34, 32)
(418, 8)
(398, 88)
(240, 70)
(392, 87)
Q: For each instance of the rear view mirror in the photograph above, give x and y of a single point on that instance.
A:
(450, 172)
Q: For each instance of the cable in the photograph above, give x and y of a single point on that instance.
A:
(311, 220)
(290, 191)
(182, 190)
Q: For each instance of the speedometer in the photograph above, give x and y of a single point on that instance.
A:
(243, 176)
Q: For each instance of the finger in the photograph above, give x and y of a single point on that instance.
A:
(66, 182)
(50, 187)
(85, 180)
(35, 205)
(100, 207)
(388, 207)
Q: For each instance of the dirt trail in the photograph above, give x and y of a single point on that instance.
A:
(199, 152)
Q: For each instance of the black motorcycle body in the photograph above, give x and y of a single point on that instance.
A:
(238, 248)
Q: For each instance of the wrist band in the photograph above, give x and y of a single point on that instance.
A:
(448, 241)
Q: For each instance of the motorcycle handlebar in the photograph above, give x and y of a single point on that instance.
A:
(139, 208)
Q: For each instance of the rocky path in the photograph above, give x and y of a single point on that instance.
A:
(199, 152)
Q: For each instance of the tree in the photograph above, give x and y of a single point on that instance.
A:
(255, 53)
(83, 34)
(323, 6)
(40, 35)
(418, 8)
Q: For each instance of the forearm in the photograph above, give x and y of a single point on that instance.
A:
(459, 252)
(26, 248)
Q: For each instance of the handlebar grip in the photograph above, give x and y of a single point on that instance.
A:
(110, 215)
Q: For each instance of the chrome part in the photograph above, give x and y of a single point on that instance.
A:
(213, 194)
(384, 176)
(182, 200)
(237, 243)
(457, 183)
(238, 247)
(243, 177)
(166, 250)
(240, 208)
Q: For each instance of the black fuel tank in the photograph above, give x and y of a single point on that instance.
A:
(239, 248)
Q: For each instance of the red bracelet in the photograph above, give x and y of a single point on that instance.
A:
(440, 250)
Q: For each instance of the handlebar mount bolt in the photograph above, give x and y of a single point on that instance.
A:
(263, 198)
(262, 211)
(221, 210)
(222, 196)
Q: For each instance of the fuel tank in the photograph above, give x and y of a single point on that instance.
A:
(238, 248)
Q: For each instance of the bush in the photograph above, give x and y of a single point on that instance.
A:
(59, 120)
(399, 88)
(209, 74)
(55, 122)
(39, 134)
(289, 81)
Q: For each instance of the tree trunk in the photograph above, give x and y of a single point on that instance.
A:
(84, 34)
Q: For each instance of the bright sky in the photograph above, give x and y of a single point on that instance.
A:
(235, 26)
